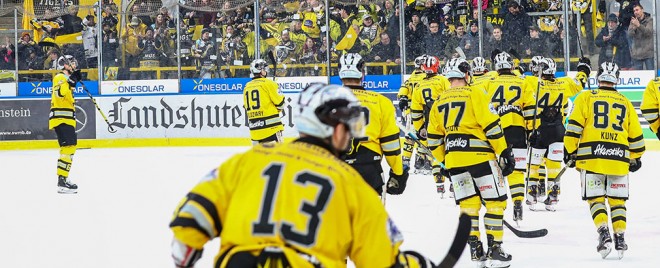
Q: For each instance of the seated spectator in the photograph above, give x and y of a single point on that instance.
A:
(50, 63)
(612, 37)
(386, 51)
(31, 62)
(641, 32)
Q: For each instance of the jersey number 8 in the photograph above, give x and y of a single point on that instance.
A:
(601, 115)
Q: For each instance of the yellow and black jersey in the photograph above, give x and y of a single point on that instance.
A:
(426, 92)
(263, 101)
(382, 132)
(509, 96)
(62, 109)
(463, 131)
(651, 104)
(407, 88)
(604, 132)
(554, 93)
(296, 196)
(480, 80)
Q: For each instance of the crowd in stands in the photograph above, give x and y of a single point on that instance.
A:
(295, 32)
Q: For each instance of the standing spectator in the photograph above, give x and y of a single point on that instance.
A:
(26, 44)
(202, 51)
(434, 41)
(536, 44)
(151, 51)
(110, 16)
(516, 25)
(71, 22)
(494, 42)
(470, 42)
(641, 32)
(454, 41)
(611, 37)
(393, 24)
(431, 13)
(626, 12)
(487, 26)
(132, 32)
(369, 32)
(31, 62)
(310, 55)
(110, 44)
(90, 42)
(387, 51)
(7, 55)
(415, 36)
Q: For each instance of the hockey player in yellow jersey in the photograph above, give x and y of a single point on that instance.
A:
(382, 132)
(62, 119)
(480, 73)
(426, 92)
(253, 201)
(263, 102)
(547, 135)
(651, 105)
(532, 84)
(508, 96)
(466, 135)
(604, 141)
(404, 96)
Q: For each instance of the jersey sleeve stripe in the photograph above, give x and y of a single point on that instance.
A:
(386, 139)
(210, 209)
(392, 153)
(576, 123)
(199, 216)
(189, 223)
(390, 146)
(572, 134)
(638, 138)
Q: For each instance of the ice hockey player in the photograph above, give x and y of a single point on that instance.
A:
(263, 102)
(509, 97)
(426, 92)
(404, 96)
(651, 105)
(532, 84)
(254, 210)
(382, 132)
(480, 73)
(604, 141)
(62, 119)
(466, 135)
(547, 135)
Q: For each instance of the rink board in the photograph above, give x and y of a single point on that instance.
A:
(201, 112)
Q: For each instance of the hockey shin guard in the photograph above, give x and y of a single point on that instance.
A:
(493, 219)
(65, 160)
(618, 214)
(408, 147)
(517, 185)
(553, 168)
(598, 211)
(471, 207)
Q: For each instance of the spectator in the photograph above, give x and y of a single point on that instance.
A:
(434, 41)
(536, 44)
(415, 37)
(431, 13)
(25, 44)
(641, 32)
(454, 41)
(202, 51)
(470, 42)
(90, 42)
(7, 54)
(487, 26)
(386, 51)
(110, 44)
(393, 24)
(516, 26)
(285, 52)
(51, 61)
(132, 32)
(32, 62)
(626, 12)
(369, 32)
(110, 17)
(151, 48)
(71, 22)
(310, 55)
(611, 37)
(495, 42)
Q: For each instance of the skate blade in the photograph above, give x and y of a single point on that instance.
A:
(606, 251)
(498, 264)
(64, 190)
(479, 264)
(550, 208)
(517, 221)
(621, 253)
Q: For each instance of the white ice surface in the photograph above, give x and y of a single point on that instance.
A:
(120, 216)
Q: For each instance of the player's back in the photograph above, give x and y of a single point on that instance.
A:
(462, 116)
(481, 80)
(262, 102)
(426, 92)
(296, 196)
(608, 129)
(380, 122)
(554, 93)
(411, 83)
(508, 96)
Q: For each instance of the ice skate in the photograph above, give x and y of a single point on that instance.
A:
(517, 212)
(419, 164)
(451, 190)
(620, 244)
(496, 256)
(552, 199)
(477, 251)
(604, 242)
(441, 189)
(428, 168)
(531, 197)
(64, 186)
(541, 194)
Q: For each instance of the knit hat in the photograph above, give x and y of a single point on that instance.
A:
(612, 17)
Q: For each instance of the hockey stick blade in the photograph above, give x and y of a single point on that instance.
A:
(458, 245)
(526, 234)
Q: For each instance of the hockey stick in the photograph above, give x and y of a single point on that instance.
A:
(458, 245)
(272, 59)
(110, 129)
(536, 108)
(461, 53)
(517, 232)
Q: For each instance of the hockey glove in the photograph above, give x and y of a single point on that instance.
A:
(397, 183)
(569, 158)
(507, 162)
(404, 103)
(422, 134)
(584, 65)
(635, 164)
(533, 137)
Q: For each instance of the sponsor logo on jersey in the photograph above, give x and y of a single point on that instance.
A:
(458, 142)
(618, 185)
(601, 150)
(485, 187)
(507, 108)
(259, 123)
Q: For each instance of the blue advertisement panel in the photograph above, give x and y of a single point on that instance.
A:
(213, 85)
(378, 83)
(45, 89)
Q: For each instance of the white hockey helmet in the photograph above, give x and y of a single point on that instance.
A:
(503, 61)
(608, 72)
(479, 65)
(351, 65)
(68, 60)
(534, 63)
(548, 66)
(457, 68)
(322, 107)
(420, 60)
(259, 65)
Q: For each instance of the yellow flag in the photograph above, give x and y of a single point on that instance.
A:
(349, 39)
